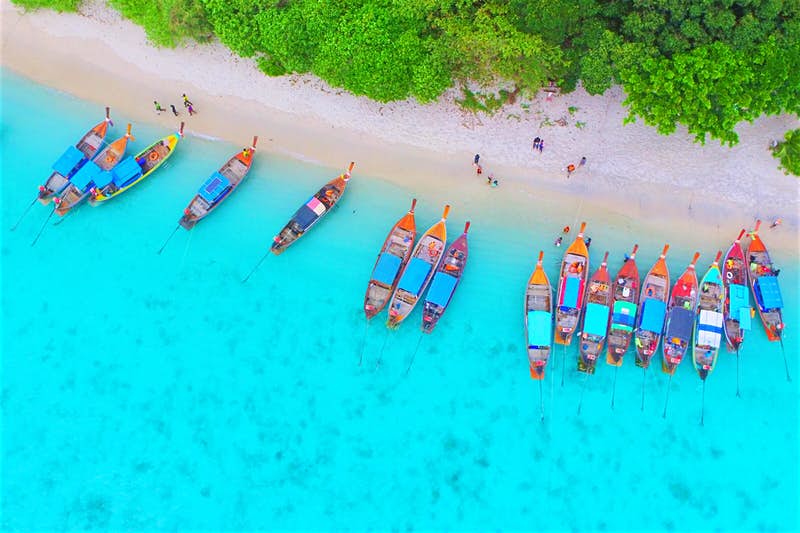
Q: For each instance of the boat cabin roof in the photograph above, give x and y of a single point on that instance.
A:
(441, 289)
(71, 157)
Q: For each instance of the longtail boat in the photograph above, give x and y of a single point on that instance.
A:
(595, 319)
(445, 282)
(133, 170)
(679, 325)
(538, 320)
(708, 322)
(764, 283)
(571, 288)
(418, 271)
(625, 297)
(311, 212)
(95, 173)
(218, 186)
(73, 159)
(736, 311)
(650, 321)
(394, 254)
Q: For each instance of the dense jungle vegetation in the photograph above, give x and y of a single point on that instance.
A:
(706, 64)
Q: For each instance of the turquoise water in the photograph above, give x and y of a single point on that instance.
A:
(147, 392)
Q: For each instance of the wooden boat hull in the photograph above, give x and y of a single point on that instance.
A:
(218, 187)
(393, 257)
(764, 286)
(445, 282)
(650, 319)
(737, 308)
(149, 160)
(708, 329)
(538, 308)
(571, 289)
(73, 159)
(679, 325)
(80, 186)
(311, 212)
(594, 327)
(625, 300)
(418, 272)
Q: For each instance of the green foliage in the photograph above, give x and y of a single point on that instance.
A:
(788, 152)
(705, 64)
(486, 103)
(58, 5)
(167, 22)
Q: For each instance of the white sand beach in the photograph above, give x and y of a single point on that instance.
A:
(631, 170)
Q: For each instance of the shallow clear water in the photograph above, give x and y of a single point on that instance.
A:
(159, 392)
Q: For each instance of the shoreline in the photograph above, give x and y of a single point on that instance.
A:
(100, 57)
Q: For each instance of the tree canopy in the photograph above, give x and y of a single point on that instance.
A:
(705, 64)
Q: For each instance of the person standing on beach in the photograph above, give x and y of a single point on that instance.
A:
(174, 111)
(570, 170)
(583, 162)
(186, 102)
(478, 169)
(536, 142)
(541, 145)
(190, 109)
(477, 158)
(159, 109)
(494, 183)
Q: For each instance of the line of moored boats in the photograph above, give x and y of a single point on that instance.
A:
(607, 314)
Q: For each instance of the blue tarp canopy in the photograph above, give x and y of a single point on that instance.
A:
(681, 324)
(744, 318)
(653, 312)
(386, 269)
(571, 287)
(103, 179)
(540, 329)
(125, 171)
(624, 315)
(414, 276)
(86, 175)
(596, 321)
(214, 186)
(739, 297)
(305, 216)
(770, 292)
(442, 288)
(66, 163)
